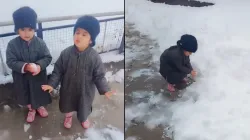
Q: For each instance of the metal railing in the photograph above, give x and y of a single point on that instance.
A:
(60, 36)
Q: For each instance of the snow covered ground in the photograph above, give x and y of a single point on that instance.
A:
(222, 30)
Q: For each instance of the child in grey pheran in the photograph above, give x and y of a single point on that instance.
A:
(79, 68)
(28, 56)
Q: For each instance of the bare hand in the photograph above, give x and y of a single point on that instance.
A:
(38, 70)
(47, 88)
(193, 73)
(31, 67)
(109, 94)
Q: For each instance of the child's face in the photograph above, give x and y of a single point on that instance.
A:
(187, 53)
(82, 38)
(26, 33)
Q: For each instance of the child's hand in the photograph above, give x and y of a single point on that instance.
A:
(31, 67)
(47, 88)
(38, 70)
(193, 73)
(109, 94)
(28, 68)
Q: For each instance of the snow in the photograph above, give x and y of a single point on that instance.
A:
(26, 127)
(118, 76)
(47, 8)
(109, 76)
(50, 69)
(30, 137)
(45, 138)
(6, 108)
(109, 133)
(222, 91)
(112, 56)
(140, 72)
(5, 79)
(131, 138)
(4, 134)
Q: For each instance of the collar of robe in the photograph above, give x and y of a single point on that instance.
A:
(76, 51)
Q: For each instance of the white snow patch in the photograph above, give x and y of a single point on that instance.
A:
(30, 137)
(222, 109)
(131, 138)
(50, 69)
(118, 76)
(26, 127)
(45, 138)
(109, 133)
(4, 135)
(112, 56)
(109, 76)
(148, 108)
(6, 79)
(6, 108)
(140, 72)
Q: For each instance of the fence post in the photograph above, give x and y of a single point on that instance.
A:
(121, 49)
(5, 71)
(40, 30)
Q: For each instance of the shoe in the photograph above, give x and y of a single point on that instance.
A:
(86, 124)
(68, 122)
(42, 112)
(171, 88)
(31, 116)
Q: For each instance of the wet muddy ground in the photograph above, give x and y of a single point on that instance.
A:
(141, 75)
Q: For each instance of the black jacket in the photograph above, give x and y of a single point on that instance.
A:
(174, 62)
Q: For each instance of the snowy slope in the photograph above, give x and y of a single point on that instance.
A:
(223, 58)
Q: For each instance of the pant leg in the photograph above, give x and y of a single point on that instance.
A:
(175, 77)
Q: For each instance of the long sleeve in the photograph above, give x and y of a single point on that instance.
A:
(99, 77)
(24, 67)
(189, 64)
(57, 73)
(180, 67)
(46, 57)
(12, 60)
